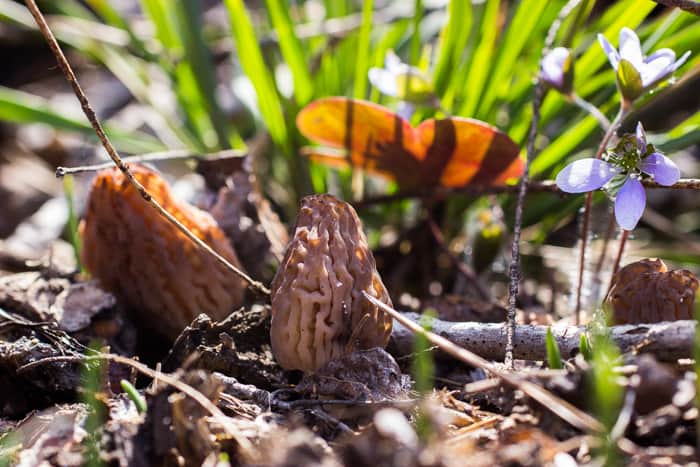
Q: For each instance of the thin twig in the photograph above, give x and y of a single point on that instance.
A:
(690, 6)
(112, 152)
(186, 389)
(175, 154)
(559, 407)
(587, 213)
(465, 270)
(514, 267)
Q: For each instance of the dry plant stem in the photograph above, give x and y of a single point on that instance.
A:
(465, 270)
(691, 6)
(201, 399)
(112, 152)
(587, 212)
(174, 154)
(559, 407)
(667, 341)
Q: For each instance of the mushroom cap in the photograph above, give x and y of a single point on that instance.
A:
(150, 265)
(647, 292)
(318, 311)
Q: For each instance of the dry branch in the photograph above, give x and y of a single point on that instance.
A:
(668, 341)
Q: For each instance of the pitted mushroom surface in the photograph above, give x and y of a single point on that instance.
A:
(318, 311)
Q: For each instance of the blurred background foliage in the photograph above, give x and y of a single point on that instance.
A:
(208, 75)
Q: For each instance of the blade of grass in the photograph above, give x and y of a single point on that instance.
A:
(362, 65)
(197, 55)
(292, 50)
(21, 107)
(483, 55)
(453, 40)
(415, 37)
(528, 13)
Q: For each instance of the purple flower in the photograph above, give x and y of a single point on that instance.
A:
(620, 173)
(558, 70)
(636, 73)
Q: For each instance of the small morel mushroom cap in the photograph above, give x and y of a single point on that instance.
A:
(318, 311)
(150, 265)
(647, 292)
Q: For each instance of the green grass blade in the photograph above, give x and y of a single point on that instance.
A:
(480, 64)
(253, 64)
(527, 15)
(198, 58)
(20, 107)
(553, 352)
(415, 38)
(362, 65)
(292, 50)
(453, 40)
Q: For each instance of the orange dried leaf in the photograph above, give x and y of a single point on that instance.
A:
(450, 152)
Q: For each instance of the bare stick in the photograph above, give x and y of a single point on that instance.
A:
(690, 6)
(186, 389)
(94, 121)
(667, 341)
(171, 155)
(559, 407)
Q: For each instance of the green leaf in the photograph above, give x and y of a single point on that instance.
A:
(629, 80)
(553, 353)
(292, 50)
(134, 395)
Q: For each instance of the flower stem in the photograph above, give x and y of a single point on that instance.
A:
(587, 211)
(591, 109)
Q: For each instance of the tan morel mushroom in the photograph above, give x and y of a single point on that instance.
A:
(147, 263)
(647, 292)
(318, 311)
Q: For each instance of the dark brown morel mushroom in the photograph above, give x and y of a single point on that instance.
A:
(318, 311)
(647, 292)
(149, 264)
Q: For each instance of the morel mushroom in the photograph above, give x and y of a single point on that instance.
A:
(318, 311)
(150, 265)
(647, 292)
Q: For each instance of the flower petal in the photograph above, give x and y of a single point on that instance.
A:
(585, 175)
(679, 63)
(630, 203)
(610, 51)
(630, 48)
(392, 62)
(663, 169)
(383, 80)
(641, 139)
